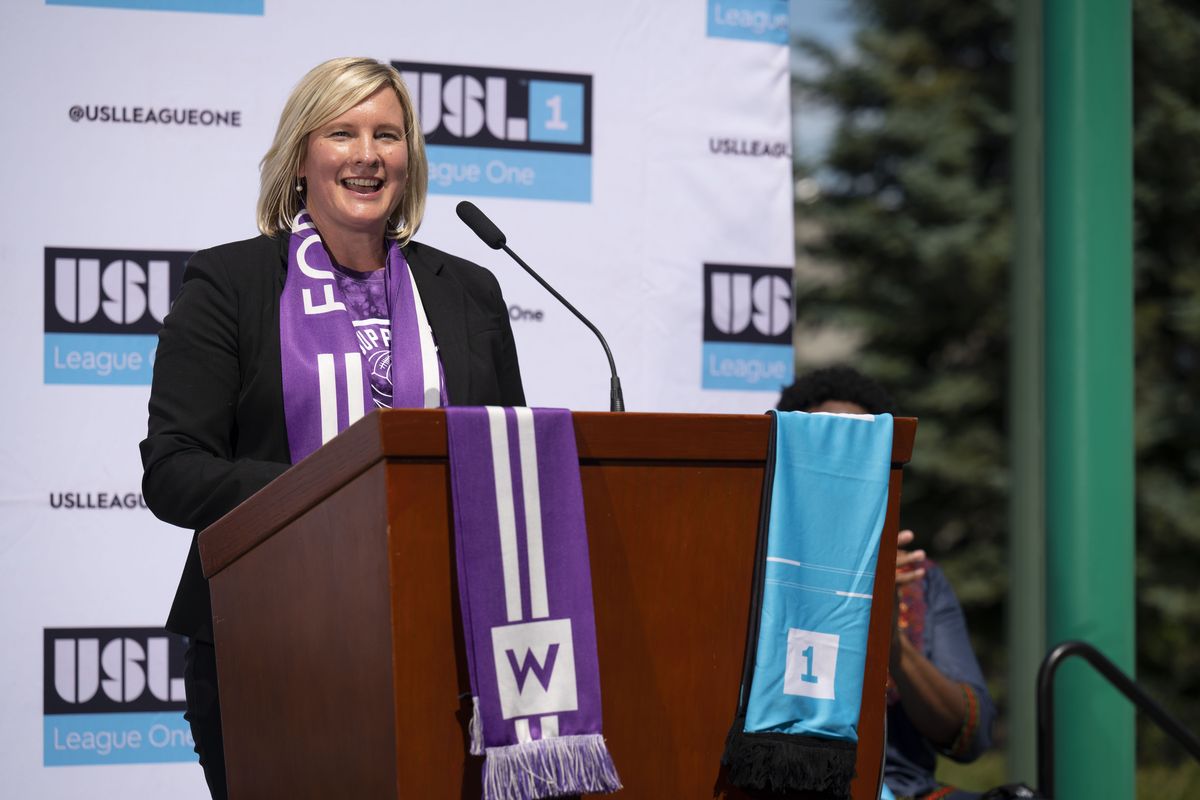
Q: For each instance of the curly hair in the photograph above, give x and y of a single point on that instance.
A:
(836, 383)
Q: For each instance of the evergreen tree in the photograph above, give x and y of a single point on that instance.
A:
(913, 249)
(1167, 323)
(915, 211)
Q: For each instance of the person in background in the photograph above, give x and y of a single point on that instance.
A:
(938, 702)
(244, 381)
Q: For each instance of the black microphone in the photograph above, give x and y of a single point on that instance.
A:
(492, 236)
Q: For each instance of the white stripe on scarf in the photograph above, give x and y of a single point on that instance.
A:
(430, 377)
(506, 519)
(506, 514)
(539, 605)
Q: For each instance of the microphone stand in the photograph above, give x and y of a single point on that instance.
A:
(616, 400)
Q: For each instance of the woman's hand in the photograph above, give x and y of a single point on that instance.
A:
(935, 704)
(908, 570)
(909, 563)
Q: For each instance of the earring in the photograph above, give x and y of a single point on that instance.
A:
(299, 185)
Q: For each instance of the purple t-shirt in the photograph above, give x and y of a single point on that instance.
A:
(366, 295)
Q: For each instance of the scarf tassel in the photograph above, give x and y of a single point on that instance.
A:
(565, 765)
(475, 728)
(785, 763)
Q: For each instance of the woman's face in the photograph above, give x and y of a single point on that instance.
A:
(356, 166)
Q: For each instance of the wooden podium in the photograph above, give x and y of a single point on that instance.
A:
(335, 609)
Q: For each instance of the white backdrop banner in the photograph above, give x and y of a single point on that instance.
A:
(635, 152)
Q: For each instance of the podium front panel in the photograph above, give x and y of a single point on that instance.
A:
(341, 659)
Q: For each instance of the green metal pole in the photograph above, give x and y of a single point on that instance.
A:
(1089, 382)
(1026, 514)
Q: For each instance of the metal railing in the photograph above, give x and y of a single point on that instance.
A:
(1122, 682)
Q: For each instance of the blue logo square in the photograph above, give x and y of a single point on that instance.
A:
(746, 366)
(70, 740)
(254, 7)
(556, 112)
(749, 20)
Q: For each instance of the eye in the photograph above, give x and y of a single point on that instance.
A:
(391, 135)
(338, 134)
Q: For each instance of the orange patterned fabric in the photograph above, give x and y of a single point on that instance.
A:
(966, 734)
(911, 621)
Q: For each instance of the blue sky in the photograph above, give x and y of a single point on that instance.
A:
(827, 21)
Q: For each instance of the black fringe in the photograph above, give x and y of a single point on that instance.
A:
(782, 763)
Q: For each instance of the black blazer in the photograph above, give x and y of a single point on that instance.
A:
(216, 433)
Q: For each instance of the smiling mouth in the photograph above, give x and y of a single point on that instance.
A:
(362, 185)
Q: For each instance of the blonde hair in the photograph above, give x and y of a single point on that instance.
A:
(328, 91)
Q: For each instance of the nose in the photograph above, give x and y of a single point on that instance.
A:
(366, 151)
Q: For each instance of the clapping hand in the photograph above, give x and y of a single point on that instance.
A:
(909, 569)
(909, 563)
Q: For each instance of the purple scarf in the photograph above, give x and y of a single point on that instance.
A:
(525, 587)
(325, 388)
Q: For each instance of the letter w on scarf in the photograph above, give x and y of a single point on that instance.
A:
(524, 584)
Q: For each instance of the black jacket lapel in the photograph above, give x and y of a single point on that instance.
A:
(282, 242)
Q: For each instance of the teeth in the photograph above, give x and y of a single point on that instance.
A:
(370, 183)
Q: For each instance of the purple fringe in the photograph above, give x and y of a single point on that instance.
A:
(555, 767)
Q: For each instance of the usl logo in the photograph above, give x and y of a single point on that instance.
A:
(113, 696)
(747, 327)
(101, 670)
(103, 309)
(747, 304)
(535, 668)
(491, 107)
(504, 132)
(110, 291)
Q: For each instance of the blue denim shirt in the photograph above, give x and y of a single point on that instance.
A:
(911, 758)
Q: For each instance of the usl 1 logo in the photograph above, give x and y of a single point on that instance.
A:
(113, 696)
(103, 309)
(747, 327)
(504, 132)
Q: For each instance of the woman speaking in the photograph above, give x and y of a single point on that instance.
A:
(276, 343)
